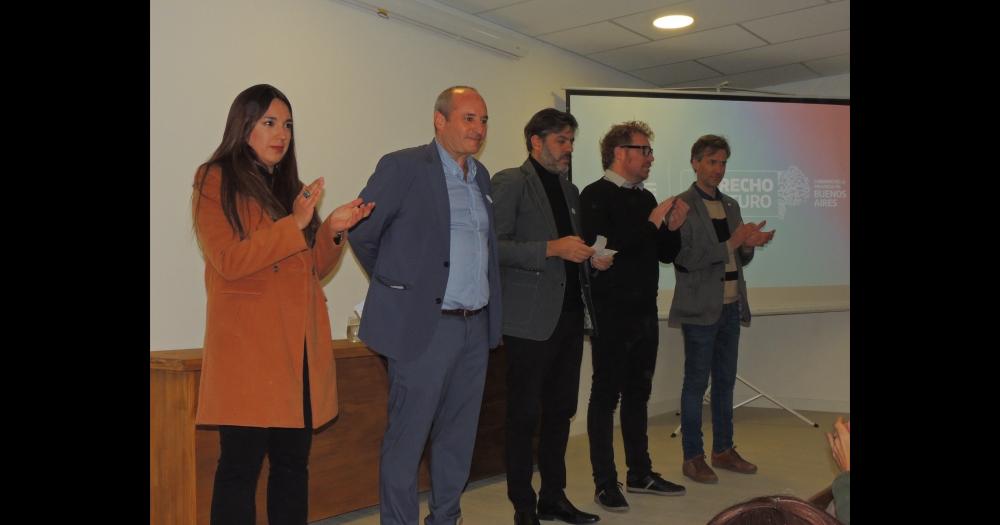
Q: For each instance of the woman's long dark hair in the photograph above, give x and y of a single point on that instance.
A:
(242, 181)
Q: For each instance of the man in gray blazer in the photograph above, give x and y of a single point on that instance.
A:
(546, 286)
(709, 305)
(433, 307)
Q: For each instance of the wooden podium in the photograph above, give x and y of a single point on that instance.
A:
(343, 462)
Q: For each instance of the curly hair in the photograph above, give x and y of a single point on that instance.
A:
(620, 134)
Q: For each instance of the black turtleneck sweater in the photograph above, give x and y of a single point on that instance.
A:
(557, 201)
(622, 215)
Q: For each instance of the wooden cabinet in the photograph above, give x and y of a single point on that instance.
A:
(343, 464)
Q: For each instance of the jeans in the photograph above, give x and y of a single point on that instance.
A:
(710, 349)
(624, 359)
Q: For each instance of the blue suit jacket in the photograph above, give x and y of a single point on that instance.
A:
(404, 247)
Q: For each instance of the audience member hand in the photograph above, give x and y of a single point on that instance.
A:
(840, 444)
(676, 218)
(570, 248)
(347, 215)
(602, 263)
(305, 203)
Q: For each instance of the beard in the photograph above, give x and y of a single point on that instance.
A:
(551, 163)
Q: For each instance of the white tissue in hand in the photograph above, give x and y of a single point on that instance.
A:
(599, 247)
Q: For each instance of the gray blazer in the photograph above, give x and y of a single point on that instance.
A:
(404, 247)
(700, 266)
(533, 285)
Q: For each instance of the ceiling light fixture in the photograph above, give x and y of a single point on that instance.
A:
(673, 21)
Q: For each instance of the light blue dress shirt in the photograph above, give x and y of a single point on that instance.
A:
(468, 280)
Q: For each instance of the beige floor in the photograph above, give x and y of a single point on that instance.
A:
(793, 458)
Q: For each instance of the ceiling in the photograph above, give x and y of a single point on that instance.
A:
(747, 43)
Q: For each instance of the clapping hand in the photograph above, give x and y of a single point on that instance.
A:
(305, 203)
(347, 215)
(758, 237)
(676, 217)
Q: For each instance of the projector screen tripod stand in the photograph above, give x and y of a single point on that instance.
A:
(760, 393)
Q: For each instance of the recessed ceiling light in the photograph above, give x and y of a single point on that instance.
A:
(673, 21)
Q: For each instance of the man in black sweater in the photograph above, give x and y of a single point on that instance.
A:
(624, 352)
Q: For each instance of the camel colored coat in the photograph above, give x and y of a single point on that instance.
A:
(264, 301)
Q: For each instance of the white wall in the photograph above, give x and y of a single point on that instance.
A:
(361, 87)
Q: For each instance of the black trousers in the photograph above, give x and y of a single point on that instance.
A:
(543, 379)
(242, 454)
(624, 359)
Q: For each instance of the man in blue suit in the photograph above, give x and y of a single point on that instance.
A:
(433, 305)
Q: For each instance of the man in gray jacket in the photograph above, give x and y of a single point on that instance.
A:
(709, 305)
(544, 274)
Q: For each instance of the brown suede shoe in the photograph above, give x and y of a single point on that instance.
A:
(730, 460)
(696, 469)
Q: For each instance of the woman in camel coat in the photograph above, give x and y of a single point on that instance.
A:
(268, 375)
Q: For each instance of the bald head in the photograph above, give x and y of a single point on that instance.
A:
(460, 121)
(445, 101)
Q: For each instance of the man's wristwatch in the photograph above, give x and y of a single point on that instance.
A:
(338, 238)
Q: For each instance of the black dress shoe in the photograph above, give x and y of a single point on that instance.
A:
(563, 510)
(525, 518)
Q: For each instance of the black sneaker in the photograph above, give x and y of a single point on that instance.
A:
(654, 484)
(610, 497)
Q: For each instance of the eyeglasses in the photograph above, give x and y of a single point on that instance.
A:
(646, 150)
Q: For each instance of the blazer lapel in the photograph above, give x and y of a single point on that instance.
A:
(484, 187)
(699, 207)
(571, 204)
(537, 192)
(438, 189)
(727, 206)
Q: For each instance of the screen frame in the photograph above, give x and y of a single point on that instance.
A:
(757, 96)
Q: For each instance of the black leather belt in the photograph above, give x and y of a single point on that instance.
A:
(463, 313)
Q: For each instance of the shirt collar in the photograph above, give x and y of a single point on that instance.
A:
(718, 194)
(451, 167)
(620, 181)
